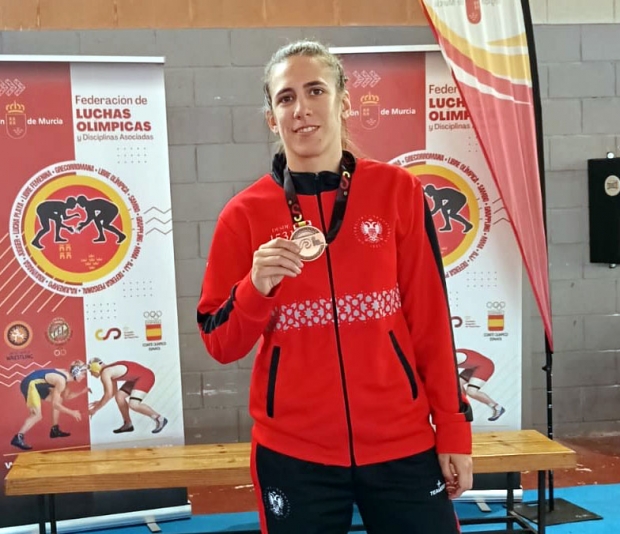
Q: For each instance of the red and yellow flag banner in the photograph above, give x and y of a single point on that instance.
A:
(489, 48)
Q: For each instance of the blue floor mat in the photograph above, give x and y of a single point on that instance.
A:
(601, 499)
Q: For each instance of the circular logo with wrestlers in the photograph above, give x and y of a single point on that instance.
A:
(18, 335)
(76, 228)
(458, 202)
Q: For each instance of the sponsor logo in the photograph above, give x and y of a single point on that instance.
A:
(114, 333)
(58, 331)
(152, 325)
(495, 316)
(370, 111)
(153, 330)
(436, 491)
(76, 229)
(16, 120)
(110, 333)
(365, 79)
(466, 322)
(496, 321)
(18, 335)
(11, 87)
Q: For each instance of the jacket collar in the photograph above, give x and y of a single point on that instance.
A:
(310, 183)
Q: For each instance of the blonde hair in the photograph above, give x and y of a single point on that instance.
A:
(95, 365)
(312, 49)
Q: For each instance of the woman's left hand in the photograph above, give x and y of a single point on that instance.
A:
(457, 469)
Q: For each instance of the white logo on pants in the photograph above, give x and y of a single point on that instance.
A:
(276, 502)
(440, 487)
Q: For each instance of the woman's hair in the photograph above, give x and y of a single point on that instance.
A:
(305, 48)
(312, 49)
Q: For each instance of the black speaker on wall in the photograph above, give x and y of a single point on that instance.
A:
(604, 210)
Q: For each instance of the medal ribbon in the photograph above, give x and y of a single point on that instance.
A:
(340, 204)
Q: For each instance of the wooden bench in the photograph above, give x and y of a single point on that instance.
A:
(50, 473)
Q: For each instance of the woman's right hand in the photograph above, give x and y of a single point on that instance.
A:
(272, 262)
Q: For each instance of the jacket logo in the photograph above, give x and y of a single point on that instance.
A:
(373, 231)
(285, 231)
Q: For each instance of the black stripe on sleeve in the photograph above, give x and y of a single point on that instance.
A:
(431, 233)
(210, 321)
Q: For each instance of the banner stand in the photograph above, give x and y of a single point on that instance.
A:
(559, 511)
(89, 355)
(491, 51)
(562, 512)
(86, 524)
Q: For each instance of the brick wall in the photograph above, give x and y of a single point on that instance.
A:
(579, 67)
(133, 14)
(119, 14)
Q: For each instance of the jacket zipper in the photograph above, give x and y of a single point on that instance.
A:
(337, 331)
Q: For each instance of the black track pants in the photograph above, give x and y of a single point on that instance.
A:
(404, 496)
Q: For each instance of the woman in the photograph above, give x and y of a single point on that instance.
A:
(332, 264)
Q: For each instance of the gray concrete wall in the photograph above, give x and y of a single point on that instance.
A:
(579, 66)
(219, 144)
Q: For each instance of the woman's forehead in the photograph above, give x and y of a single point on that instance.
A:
(299, 70)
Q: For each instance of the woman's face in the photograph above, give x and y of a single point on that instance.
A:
(306, 112)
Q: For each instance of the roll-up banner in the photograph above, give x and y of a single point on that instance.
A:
(408, 110)
(89, 356)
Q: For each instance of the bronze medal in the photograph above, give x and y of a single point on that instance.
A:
(311, 241)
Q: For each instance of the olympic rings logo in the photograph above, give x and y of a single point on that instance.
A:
(152, 314)
(496, 305)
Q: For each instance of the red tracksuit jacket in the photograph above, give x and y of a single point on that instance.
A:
(356, 352)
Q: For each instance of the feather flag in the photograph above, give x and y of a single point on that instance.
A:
(489, 48)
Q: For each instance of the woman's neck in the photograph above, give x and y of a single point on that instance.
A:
(325, 162)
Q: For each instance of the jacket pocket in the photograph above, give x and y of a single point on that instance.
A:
(406, 365)
(271, 383)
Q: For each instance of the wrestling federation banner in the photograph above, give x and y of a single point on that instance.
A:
(407, 110)
(89, 356)
(489, 47)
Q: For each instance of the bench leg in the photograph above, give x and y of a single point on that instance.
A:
(41, 499)
(542, 505)
(52, 507)
(510, 498)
